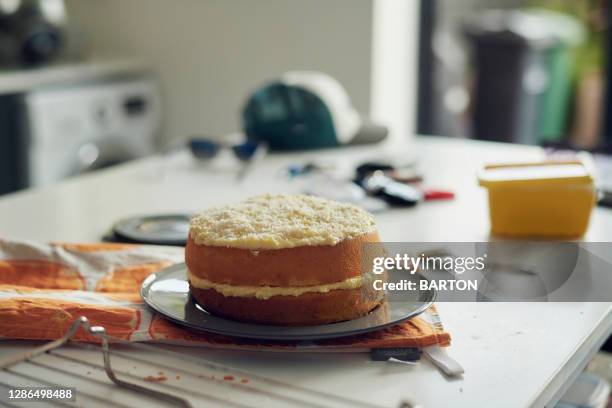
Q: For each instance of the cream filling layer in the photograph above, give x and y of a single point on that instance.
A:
(266, 292)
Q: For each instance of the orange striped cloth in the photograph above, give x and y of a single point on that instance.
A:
(43, 288)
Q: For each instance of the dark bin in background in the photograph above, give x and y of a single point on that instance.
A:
(522, 74)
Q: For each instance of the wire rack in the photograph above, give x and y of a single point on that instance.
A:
(125, 374)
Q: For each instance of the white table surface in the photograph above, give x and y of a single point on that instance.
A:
(514, 354)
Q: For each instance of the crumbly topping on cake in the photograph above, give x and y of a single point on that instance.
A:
(280, 221)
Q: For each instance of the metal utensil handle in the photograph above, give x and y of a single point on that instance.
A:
(99, 332)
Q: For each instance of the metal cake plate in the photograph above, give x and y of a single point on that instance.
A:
(167, 293)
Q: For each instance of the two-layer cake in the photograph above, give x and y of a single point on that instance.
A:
(282, 259)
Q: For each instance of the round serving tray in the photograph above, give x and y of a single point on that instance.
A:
(167, 293)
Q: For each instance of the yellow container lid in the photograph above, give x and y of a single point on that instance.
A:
(535, 174)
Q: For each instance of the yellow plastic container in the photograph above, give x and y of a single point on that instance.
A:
(548, 199)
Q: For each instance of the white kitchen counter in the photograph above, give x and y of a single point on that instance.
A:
(514, 354)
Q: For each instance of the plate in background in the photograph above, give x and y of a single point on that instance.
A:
(163, 229)
(167, 293)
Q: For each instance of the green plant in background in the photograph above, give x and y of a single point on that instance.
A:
(571, 107)
(590, 54)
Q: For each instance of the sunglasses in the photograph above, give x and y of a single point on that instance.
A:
(206, 149)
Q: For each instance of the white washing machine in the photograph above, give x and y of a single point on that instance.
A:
(71, 130)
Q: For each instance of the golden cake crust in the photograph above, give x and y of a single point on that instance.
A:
(283, 260)
(301, 266)
(303, 310)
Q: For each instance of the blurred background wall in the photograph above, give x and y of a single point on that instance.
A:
(210, 53)
(520, 71)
